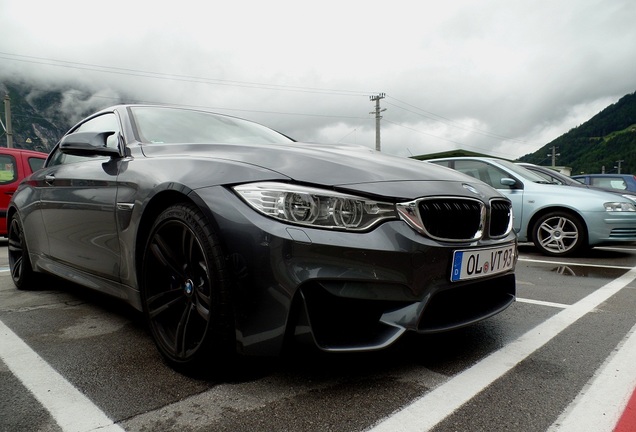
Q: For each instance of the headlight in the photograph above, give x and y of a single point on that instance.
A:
(619, 207)
(315, 207)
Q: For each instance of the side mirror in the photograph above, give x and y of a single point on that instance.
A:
(508, 182)
(88, 144)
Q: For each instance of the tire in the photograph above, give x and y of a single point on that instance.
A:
(559, 233)
(185, 290)
(19, 262)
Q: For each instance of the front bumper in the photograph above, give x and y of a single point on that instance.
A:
(342, 323)
(606, 228)
(344, 291)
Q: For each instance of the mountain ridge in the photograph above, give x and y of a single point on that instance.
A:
(598, 144)
(41, 117)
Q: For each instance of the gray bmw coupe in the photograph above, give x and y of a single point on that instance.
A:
(231, 237)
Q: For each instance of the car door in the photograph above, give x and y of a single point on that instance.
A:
(494, 176)
(78, 206)
(9, 178)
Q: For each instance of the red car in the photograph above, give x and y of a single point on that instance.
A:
(15, 164)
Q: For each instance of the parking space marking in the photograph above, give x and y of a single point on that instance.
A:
(574, 264)
(600, 404)
(70, 409)
(429, 410)
(543, 303)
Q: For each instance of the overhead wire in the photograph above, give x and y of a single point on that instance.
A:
(462, 145)
(427, 114)
(173, 77)
(245, 84)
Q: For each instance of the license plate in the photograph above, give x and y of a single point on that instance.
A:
(476, 263)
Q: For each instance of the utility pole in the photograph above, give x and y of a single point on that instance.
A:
(377, 112)
(8, 129)
(554, 155)
(619, 162)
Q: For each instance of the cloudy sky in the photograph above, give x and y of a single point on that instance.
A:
(495, 76)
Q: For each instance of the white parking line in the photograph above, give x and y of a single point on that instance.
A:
(574, 264)
(543, 303)
(439, 403)
(601, 403)
(72, 411)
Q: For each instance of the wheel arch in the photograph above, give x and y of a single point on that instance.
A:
(539, 214)
(10, 212)
(158, 203)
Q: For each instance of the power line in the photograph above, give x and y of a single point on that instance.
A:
(205, 107)
(175, 77)
(214, 81)
(460, 144)
(442, 119)
(245, 84)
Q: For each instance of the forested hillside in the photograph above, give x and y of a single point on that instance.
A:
(602, 141)
(37, 119)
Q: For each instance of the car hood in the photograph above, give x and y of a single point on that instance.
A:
(329, 165)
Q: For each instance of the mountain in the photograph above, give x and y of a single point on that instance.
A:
(602, 141)
(40, 118)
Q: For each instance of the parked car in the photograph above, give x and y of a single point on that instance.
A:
(557, 178)
(15, 164)
(230, 236)
(621, 182)
(560, 220)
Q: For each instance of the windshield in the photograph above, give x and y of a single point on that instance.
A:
(554, 177)
(522, 172)
(174, 125)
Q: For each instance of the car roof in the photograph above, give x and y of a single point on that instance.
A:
(604, 175)
(14, 151)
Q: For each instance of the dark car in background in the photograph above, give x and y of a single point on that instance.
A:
(620, 182)
(15, 164)
(231, 237)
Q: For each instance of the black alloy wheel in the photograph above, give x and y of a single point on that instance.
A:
(184, 289)
(19, 263)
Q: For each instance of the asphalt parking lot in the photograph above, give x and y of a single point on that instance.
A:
(561, 358)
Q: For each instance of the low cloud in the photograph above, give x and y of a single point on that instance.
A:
(494, 77)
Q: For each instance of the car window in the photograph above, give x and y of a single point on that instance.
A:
(166, 125)
(103, 123)
(447, 164)
(8, 173)
(483, 171)
(552, 179)
(609, 182)
(36, 163)
(521, 171)
(547, 176)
